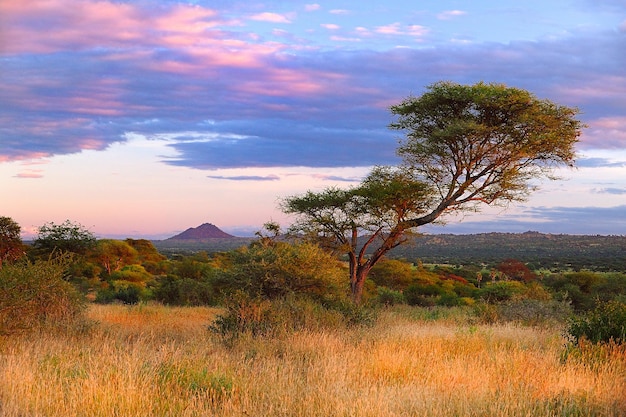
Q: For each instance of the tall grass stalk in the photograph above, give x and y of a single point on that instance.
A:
(158, 361)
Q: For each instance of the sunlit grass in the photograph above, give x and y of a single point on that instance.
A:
(159, 361)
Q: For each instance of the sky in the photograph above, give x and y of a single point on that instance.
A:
(144, 118)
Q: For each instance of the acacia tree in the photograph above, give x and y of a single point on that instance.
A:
(67, 236)
(11, 246)
(464, 146)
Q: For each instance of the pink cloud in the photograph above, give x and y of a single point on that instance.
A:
(270, 17)
(41, 26)
(399, 29)
(23, 156)
(31, 173)
(449, 14)
(605, 133)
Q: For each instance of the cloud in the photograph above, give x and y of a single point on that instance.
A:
(400, 29)
(270, 17)
(284, 145)
(600, 163)
(610, 190)
(84, 77)
(330, 26)
(339, 11)
(338, 178)
(450, 14)
(245, 177)
(558, 220)
(311, 7)
(31, 173)
(606, 133)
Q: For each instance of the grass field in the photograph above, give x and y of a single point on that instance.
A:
(158, 361)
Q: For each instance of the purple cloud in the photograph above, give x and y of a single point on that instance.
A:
(245, 177)
(75, 79)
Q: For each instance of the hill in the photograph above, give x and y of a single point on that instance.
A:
(204, 231)
(595, 252)
(538, 250)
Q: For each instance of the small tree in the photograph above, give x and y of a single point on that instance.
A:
(516, 270)
(11, 246)
(272, 269)
(464, 146)
(114, 254)
(65, 237)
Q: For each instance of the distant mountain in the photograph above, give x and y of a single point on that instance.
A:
(204, 231)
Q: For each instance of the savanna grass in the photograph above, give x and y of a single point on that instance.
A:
(158, 361)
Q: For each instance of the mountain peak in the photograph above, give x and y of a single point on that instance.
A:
(204, 231)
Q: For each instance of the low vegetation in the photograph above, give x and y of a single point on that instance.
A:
(151, 360)
(270, 329)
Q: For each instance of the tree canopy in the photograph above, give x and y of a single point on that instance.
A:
(463, 146)
(11, 246)
(67, 237)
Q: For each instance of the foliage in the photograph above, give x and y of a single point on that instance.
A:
(606, 323)
(112, 254)
(526, 311)
(255, 316)
(394, 274)
(191, 281)
(273, 269)
(148, 255)
(499, 291)
(585, 288)
(485, 142)
(33, 294)
(174, 290)
(516, 270)
(389, 297)
(465, 146)
(11, 246)
(65, 237)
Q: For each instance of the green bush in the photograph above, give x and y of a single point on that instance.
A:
(606, 323)
(277, 269)
(496, 292)
(123, 291)
(173, 290)
(35, 294)
(389, 297)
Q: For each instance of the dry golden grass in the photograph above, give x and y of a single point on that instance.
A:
(158, 361)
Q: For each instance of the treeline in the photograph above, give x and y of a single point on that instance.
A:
(134, 270)
(538, 250)
(66, 266)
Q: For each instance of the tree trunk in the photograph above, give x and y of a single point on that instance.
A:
(357, 282)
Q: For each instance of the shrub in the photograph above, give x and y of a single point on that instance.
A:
(533, 312)
(172, 290)
(449, 300)
(123, 291)
(393, 273)
(277, 269)
(389, 297)
(606, 323)
(246, 315)
(34, 294)
(500, 291)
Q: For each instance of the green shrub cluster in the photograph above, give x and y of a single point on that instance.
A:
(35, 294)
(605, 324)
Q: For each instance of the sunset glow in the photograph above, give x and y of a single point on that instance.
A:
(141, 120)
